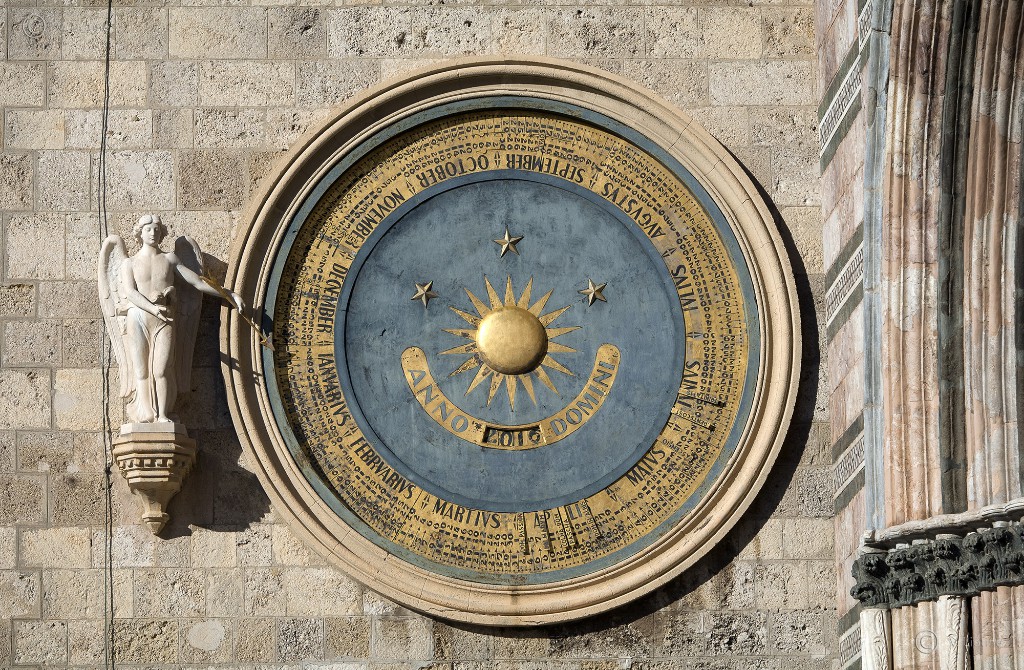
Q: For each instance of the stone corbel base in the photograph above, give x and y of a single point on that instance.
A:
(154, 458)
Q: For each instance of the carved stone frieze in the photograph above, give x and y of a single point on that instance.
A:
(959, 566)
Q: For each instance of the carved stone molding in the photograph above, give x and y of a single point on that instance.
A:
(955, 524)
(952, 642)
(876, 639)
(154, 459)
(946, 566)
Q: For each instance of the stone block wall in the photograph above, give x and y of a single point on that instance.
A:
(204, 96)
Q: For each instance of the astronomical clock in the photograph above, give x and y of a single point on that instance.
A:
(533, 342)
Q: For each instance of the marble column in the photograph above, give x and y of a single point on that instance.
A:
(998, 623)
(931, 635)
(992, 215)
(914, 639)
(918, 443)
(876, 639)
(991, 218)
(953, 618)
(913, 476)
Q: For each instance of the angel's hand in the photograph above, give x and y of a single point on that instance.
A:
(239, 303)
(162, 313)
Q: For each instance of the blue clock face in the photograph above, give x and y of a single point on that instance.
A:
(513, 345)
(566, 241)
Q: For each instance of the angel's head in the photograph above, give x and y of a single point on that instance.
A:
(149, 230)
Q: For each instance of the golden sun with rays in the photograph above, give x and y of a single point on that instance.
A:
(510, 342)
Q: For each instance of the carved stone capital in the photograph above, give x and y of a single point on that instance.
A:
(154, 459)
(945, 566)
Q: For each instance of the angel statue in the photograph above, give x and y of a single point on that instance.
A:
(151, 304)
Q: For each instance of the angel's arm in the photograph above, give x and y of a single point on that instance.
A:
(195, 280)
(135, 297)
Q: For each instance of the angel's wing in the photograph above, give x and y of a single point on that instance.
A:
(186, 319)
(113, 301)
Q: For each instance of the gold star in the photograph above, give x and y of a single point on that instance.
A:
(508, 243)
(424, 293)
(594, 292)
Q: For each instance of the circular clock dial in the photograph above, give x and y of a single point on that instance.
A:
(515, 342)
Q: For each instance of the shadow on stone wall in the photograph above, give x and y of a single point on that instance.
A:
(220, 494)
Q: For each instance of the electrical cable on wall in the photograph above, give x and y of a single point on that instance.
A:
(101, 202)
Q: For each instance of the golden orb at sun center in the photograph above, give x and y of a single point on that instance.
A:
(512, 340)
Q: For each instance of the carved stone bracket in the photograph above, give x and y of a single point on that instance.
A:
(154, 458)
(947, 565)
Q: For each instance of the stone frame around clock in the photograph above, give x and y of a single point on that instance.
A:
(750, 218)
